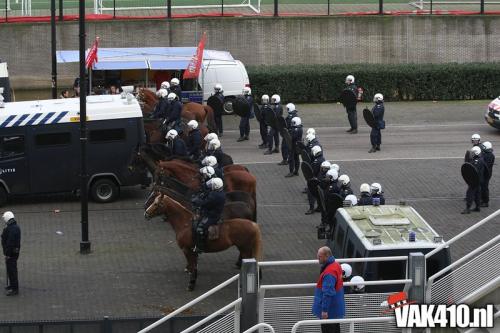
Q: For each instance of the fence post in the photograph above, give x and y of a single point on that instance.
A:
(106, 325)
(328, 7)
(61, 15)
(222, 7)
(380, 7)
(6, 11)
(482, 7)
(169, 9)
(249, 279)
(416, 267)
(275, 7)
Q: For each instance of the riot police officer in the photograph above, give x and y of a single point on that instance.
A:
(176, 88)
(365, 198)
(351, 110)
(476, 142)
(377, 194)
(273, 134)
(212, 162)
(293, 156)
(245, 121)
(214, 149)
(174, 118)
(11, 246)
(317, 154)
(473, 193)
(219, 93)
(311, 141)
(378, 116)
(345, 186)
(489, 160)
(165, 85)
(163, 105)
(263, 126)
(194, 140)
(285, 150)
(175, 144)
(211, 208)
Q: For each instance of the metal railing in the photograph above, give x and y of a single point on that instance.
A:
(350, 321)
(259, 326)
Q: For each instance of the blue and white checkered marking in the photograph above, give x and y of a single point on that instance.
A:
(39, 118)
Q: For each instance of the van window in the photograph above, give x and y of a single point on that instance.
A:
(114, 134)
(11, 146)
(391, 270)
(53, 139)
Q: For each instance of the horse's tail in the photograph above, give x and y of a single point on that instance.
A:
(257, 244)
(210, 117)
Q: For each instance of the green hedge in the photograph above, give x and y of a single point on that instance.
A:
(323, 83)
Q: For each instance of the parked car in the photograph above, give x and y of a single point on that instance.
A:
(492, 115)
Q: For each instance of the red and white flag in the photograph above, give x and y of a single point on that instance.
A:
(193, 69)
(91, 58)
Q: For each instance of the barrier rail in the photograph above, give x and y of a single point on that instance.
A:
(258, 326)
(341, 321)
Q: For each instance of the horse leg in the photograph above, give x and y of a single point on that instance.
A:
(192, 269)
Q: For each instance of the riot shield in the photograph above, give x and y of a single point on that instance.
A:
(348, 98)
(270, 117)
(321, 199)
(258, 112)
(216, 104)
(313, 187)
(280, 123)
(307, 170)
(368, 115)
(470, 174)
(333, 201)
(305, 156)
(286, 136)
(241, 107)
(300, 147)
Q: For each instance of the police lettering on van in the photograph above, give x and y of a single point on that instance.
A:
(40, 146)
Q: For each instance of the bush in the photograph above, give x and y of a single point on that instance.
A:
(405, 82)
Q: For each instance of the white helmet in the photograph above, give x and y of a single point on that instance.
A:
(215, 184)
(349, 79)
(377, 188)
(316, 150)
(172, 134)
(344, 180)
(359, 286)
(333, 175)
(165, 85)
(218, 87)
(247, 91)
(487, 146)
(310, 137)
(193, 124)
(172, 96)
(296, 121)
(335, 167)
(214, 144)
(311, 131)
(476, 151)
(174, 81)
(346, 270)
(352, 198)
(325, 165)
(275, 99)
(378, 98)
(364, 188)
(210, 136)
(207, 172)
(265, 99)
(163, 92)
(7, 216)
(290, 107)
(475, 139)
(210, 161)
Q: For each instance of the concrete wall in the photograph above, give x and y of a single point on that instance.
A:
(287, 40)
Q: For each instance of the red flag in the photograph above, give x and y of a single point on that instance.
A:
(91, 58)
(193, 69)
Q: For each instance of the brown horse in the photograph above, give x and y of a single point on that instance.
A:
(242, 233)
(155, 133)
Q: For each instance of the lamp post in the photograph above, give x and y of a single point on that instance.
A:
(53, 47)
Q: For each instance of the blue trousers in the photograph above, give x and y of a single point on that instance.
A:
(375, 137)
(273, 134)
(244, 126)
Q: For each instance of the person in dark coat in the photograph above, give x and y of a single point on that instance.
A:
(285, 150)
(345, 186)
(273, 134)
(219, 93)
(174, 117)
(329, 300)
(162, 108)
(316, 162)
(489, 160)
(194, 140)
(473, 193)
(211, 208)
(365, 198)
(11, 246)
(377, 194)
(245, 121)
(175, 87)
(175, 144)
(476, 142)
(378, 116)
(293, 157)
(263, 126)
(352, 115)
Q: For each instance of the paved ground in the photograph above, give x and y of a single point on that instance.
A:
(135, 268)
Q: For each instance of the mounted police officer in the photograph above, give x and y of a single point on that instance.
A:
(489, 160)
(176, 88)
(211, 161)
(263, 126)
(317, 159)
(219, 93)
(174, 118)
(351, 109)
(473, 193)
(345, 186)
(273, 134)
(211, 208)
(245, 121)
(476, 142)
(285, 150)
(11, 246)
(377, 194)
(214, 149)
(194, 140)
(162, 108)
(165, 85)
(175, 144)
(378, 116)
(293, 156)
(365, 198)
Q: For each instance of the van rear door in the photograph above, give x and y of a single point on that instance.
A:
(13, 161)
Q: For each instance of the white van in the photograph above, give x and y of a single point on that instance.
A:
(232, 75)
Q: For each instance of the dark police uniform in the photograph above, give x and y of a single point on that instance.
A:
(375, 134)
(273, 134)
(473, 194)
(245, 121)
(263, 126)
(352, 115)
(174, 117)
(211, 208)
(314, 142)
(285, 150)
(162, 109)
(177, 146)
(379, 197)
(489, 160)
(194, 143)
(293, 156)
(177, 90)
(11, 245)
(317, 173)
(365, 199)
(345, 190)
(218, 114)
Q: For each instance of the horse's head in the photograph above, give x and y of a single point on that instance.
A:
(154, 205)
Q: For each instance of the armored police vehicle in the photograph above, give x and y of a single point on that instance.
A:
(382, 231)
(40, 146)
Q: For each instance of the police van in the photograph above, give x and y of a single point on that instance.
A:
(383, 231)
(40, 146)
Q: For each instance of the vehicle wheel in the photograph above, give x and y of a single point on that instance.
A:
(104, 190)
(228, 105)
(3, 196)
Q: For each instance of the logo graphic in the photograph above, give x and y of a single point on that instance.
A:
(397, 300)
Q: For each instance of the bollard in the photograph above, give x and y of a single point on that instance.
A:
(249, 284)
(416, 272)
